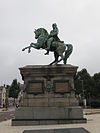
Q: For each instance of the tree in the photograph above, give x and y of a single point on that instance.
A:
(14, 89)
(96, 79)
(84, 83)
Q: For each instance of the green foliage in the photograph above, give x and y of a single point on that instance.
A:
(83, 82)
(14, 89)
(87, 85)
(96, 79)
(94, 103)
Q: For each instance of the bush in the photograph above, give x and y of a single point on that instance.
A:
(94, 103)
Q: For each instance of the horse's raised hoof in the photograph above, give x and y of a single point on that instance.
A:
(29, 51)
(23, 49)
(56, 63)
(50, 64)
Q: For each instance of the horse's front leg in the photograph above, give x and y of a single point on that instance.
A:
(35, 45)
(29, 49)
(32, 45)
(25, 48)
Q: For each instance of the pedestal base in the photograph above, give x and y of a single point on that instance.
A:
(48, 115)
(30, 122)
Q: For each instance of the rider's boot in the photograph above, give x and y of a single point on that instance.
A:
(48, 49)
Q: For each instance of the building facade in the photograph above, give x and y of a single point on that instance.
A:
(3, 96)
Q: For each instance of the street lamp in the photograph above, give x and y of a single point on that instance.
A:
(83, 95)
(82, 88)
(82, 84)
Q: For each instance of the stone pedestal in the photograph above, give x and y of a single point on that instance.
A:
(49, 96)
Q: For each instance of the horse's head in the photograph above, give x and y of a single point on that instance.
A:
(37, 33)
(40, 31)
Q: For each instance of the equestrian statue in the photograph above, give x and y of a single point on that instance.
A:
(51, 42)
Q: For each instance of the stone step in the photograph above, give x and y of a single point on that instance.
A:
(66, 130)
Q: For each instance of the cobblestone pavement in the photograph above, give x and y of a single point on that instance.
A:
(91, 111)
(92, 125)
(6, 115)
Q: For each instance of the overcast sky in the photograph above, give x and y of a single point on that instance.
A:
(78, 22)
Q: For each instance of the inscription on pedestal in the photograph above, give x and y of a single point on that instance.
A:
(35, 87)
(61, 86)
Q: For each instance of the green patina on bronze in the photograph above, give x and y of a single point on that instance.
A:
(51, 42)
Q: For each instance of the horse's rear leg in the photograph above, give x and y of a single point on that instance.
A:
(62, 57)
(60, 50)
(52, 63)
(56, 59)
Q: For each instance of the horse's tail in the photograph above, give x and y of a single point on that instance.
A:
(68, 52)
